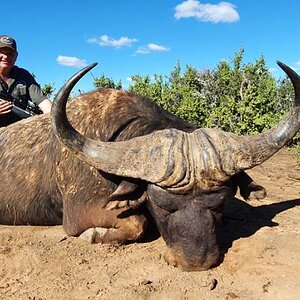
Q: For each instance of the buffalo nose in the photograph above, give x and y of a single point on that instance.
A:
(176, 258)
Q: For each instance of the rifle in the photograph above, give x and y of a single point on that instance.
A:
(20, 109)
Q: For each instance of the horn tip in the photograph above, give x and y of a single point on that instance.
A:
(281, 64)
(91, 66)
(289, 71)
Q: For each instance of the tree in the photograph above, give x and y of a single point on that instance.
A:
(48, 89)
(104, 82)
(244, 96)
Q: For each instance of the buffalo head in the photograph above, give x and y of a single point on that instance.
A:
(189, 175)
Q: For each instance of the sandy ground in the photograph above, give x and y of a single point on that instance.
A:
(260, 241)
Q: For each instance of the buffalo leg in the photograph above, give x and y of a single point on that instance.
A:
(102, 225)
(130, 229)
(249, 189)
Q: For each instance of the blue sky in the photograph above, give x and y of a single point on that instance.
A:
(57, 37)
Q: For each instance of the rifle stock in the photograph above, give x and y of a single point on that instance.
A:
(20, 112)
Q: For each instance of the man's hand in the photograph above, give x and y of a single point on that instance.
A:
(5, 107)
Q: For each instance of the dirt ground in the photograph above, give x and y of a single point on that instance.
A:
(260, 241)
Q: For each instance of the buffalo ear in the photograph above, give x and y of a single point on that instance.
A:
(121, 193)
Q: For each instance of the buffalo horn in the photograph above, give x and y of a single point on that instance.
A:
(172, 158)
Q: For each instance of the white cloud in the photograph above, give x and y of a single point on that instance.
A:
(298, 63)
(151, 47)
(71, 61)
(155, 47)
(143, 50)
(106, 41)
(215, 13)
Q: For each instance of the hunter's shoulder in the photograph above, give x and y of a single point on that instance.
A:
(22, 74)
(21, 71)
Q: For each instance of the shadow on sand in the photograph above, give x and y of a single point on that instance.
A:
(240, 219)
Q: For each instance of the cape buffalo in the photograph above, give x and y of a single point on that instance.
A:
(127, 149)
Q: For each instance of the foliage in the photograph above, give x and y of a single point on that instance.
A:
(48, 89)
(246, 96)
(104, 82)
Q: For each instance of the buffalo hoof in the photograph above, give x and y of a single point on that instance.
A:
(127, 229)
(94, 235)
(253, 191)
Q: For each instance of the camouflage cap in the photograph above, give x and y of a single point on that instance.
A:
(8, 42)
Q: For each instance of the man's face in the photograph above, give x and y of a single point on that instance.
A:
(7, 57)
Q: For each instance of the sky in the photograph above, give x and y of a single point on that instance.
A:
(56, 38)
